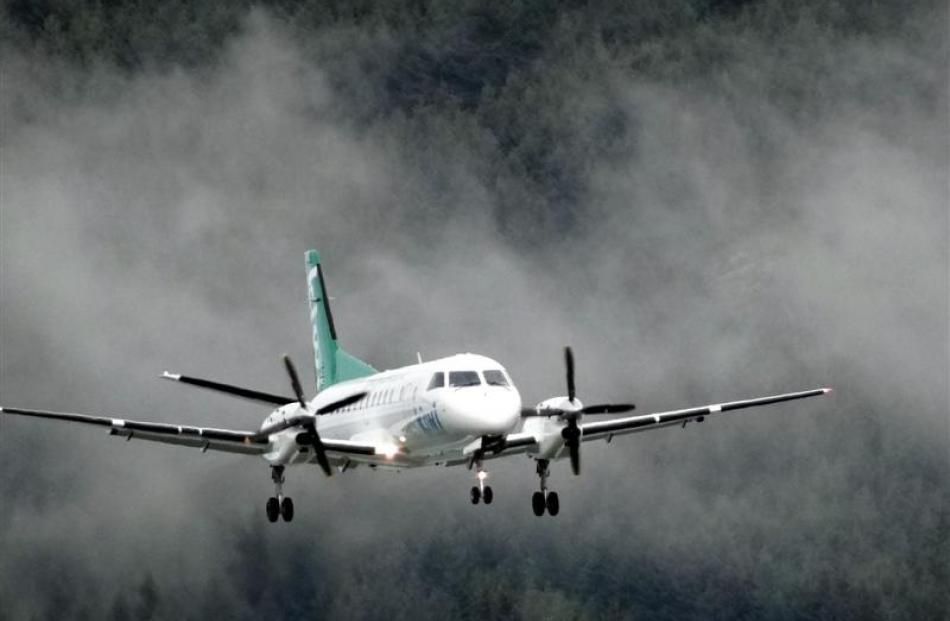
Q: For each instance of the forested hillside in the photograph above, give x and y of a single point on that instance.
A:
(710, 199)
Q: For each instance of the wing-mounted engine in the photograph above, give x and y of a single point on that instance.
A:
(557, 426)
(547, 420)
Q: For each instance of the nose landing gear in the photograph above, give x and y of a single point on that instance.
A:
(279, 505)
(544, 499)
(481, 491)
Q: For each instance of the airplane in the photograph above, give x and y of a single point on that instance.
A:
(459, 410)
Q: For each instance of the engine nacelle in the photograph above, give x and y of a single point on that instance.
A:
(559, 403)
(548, 429)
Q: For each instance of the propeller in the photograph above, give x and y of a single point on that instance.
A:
(572, 432)
(309, 423)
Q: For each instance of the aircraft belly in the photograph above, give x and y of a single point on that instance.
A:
(420, 432)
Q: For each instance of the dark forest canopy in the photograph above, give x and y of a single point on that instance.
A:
(476, 66)
(598, 140)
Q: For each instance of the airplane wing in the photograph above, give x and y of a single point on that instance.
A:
(521, 441)
(205, 438)
(644, 422)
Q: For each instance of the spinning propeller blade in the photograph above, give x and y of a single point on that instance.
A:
(569, 366)
(294, 381)
(571, 431)
(572, 440)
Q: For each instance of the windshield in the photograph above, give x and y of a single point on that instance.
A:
(495, 377)
(438, 381)
(458, 379)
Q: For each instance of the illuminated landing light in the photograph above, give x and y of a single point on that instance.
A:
(389, 450)
(402, 439)
(827, 390)
(482, 475)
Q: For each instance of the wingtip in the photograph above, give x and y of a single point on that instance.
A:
(827, 390)
(171, 376)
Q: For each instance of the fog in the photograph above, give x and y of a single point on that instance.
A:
(748, 205)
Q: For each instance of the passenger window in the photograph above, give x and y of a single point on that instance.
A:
(459, 379)
(438, 381)
(495, 377)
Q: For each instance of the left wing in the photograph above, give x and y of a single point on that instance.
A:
(644, 422)
(205, 438)
(522, 441)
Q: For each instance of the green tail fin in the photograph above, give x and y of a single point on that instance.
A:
(332, 363)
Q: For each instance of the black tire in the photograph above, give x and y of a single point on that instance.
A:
(487, 495)
(287, 509)
(476, 495)
(537, 503)
(273, 509)
(553, 503)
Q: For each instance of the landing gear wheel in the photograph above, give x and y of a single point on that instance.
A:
(537, 503)
(476, 495)
(487, 495)
(273, 509)
(287, 509)
(554, 504)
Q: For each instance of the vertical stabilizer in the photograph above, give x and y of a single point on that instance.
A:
(332, 363)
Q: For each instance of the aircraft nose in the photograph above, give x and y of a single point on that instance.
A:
(488, 411)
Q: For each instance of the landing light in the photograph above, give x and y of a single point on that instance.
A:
(389, 450)
(482, 475)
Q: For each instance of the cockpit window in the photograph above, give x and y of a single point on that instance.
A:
(437, 381)
(458, 379)
(494, 377)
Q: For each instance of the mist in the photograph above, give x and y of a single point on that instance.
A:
(707, 202)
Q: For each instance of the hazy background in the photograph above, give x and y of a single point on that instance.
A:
(708, 200)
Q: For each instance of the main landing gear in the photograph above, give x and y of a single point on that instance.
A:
(481, 491)
(279, 505)
(544, 499)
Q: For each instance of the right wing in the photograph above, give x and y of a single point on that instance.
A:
(205, 438)
(210, 438)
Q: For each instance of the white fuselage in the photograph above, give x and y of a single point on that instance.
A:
(425, 423)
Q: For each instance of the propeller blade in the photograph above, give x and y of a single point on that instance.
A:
(321, 452)
(608, 408)
(341, 403)
(294, 381)
(572, 434)
(569, 366)
(313, 439)
(229, 389)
